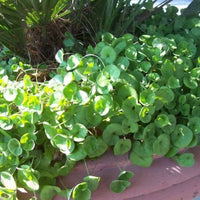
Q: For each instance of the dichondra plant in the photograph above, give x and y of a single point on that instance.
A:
(133, 95)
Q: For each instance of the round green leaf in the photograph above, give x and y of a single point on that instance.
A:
(27, 179)
(27, 141)
(48, 192)
(182, 136)
(64, 144)
(125, 175)
(185, 159)
(122, 146)
(8, 181)
(10, 94)
(144, 66)
(78, 154)
(14, 147)
(146, 113)
(112, 72)
(111, 133)
(94, 147)
(190, 82)
(79, 132)
(73, 62)
(173, 82)
(50, 131)
(147, 97)
(103, 79)
(131, 53)
(194, 124)
(103, 104)
(70, 91)
(131, 109)
(5, 123)
(118, 186)
(161, 120)
(161, 145)
(81, 191)
(129, 126)
(140, 156)
(59, 56)
(108, 54)
(92, 181)
(122, 63)
(165, 95)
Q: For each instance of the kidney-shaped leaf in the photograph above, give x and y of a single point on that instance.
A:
(8, 181)
(185, 159)
(181, 136)
(64, 144)
(27, 179)
(147, 97)
(48, 192)
(92, 181)
(125, 175)
(161, 145)
(81, 191)
(122, 146)
(111, 133)
(118, 186)
(94, 147)
(14, 147)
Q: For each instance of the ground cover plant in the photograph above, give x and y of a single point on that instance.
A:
(134, 94)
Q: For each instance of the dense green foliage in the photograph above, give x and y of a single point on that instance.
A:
(136, 94)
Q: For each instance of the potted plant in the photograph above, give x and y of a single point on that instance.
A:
(133, 96)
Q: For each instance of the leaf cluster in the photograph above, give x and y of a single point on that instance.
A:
(130, 94)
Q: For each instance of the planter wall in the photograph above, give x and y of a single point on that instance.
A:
(163, 180)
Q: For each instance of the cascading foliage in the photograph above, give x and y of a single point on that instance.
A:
(136, 95)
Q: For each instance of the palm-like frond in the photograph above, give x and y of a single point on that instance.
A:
(18, 16)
